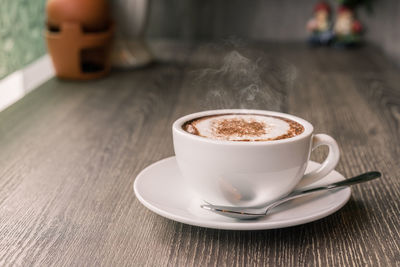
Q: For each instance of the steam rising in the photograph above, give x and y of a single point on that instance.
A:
(243, 78)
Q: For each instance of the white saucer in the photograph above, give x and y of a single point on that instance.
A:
(161, 188)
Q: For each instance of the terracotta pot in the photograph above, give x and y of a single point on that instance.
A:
(79, 37)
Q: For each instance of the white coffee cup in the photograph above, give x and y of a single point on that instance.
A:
(249, 174)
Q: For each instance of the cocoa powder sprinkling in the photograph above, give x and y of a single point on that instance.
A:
(238, 127)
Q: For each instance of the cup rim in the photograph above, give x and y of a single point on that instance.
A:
(177, 127)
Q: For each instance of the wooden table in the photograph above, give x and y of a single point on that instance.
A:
(70, 151)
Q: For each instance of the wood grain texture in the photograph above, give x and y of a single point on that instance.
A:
(70, 153)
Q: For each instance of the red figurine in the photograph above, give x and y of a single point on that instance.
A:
(320, 25)
(347, 28)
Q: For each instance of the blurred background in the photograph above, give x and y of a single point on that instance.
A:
(22, 23)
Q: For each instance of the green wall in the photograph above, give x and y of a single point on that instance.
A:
(21, 33)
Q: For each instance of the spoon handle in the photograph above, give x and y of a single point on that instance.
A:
(368, 176)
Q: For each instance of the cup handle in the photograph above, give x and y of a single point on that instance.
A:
(329, 163)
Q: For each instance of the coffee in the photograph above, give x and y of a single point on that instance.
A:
(243, 127)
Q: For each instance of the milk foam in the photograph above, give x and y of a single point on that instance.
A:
(272, 127)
